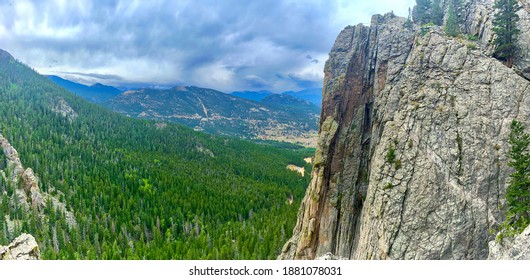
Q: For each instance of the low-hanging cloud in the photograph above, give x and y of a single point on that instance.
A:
(226, 45)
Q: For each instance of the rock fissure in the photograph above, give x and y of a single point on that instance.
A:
(445, 108)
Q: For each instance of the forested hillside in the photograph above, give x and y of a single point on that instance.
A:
(139, 189)
(277, 117)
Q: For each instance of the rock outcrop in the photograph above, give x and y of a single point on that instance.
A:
(30, 186)
(410, 162)
(28, 192)
(61, 107)
(517, 248)
(476, 21)
(23, 247)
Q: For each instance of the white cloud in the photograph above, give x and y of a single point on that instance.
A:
(228, 45)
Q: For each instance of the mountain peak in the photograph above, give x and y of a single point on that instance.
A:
(5, 55)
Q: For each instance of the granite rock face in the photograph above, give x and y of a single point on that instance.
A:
(23, 247)
(517, 248)
(411, 161)
(477, 21)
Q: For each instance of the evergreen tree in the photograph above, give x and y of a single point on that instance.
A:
(458, 8)
(505, 29)
(437, 15)
(451, 26)
(408, 24)
(423, 11)
(518, 192)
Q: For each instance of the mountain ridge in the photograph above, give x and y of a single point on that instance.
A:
(96, 93)
(220, 113)
(274, 117)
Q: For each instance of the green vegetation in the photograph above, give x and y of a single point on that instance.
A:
(451, 26)
(430, 13)
(472, 46)
(391, 154)
(472, 38)
(437, 14)
(425, 28)
(423, 11)
(518, 192)
(409, 24)
(427, 11)
(505, 29)
(138, 190)
(458, 8)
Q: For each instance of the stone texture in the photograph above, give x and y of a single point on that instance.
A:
(329, 257)
(517, 248)
(31, 186)
(478, 21)
(23, 247)
(444, 108)
(12, 158)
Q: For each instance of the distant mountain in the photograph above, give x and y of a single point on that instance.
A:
(313, 95)
(276, 117)
(252, 95)
(286, 100)
(97, 93)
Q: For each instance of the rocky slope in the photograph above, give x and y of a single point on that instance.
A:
(516, 248)
(410, 162)
(23, 247)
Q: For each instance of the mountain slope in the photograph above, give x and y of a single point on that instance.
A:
(252, 95)
(313, 95)
(137, 189)
(216, 112)
(411, 161)
(97, 93)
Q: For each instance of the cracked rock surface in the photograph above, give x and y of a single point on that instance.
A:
(23, 247)
(516, 248)
(411, 161)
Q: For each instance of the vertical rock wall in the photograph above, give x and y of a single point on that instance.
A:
(411, 162)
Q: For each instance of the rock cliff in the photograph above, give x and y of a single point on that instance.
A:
(410, 162)
(23, 247)
(516, 248)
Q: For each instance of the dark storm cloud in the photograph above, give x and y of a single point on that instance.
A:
(227, 45)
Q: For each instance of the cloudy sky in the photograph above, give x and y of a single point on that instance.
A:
(226, 45)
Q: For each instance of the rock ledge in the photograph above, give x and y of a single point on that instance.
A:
(517, 248)
(23, 247)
